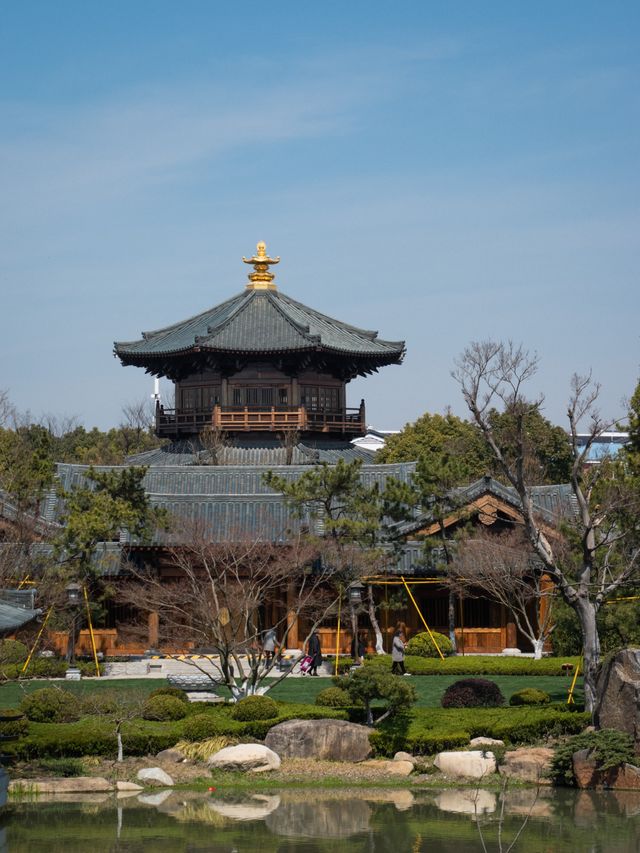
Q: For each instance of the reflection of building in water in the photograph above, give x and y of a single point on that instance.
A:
(604, 446)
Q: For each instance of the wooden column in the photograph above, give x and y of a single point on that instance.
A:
(295, 392)
(154, 629)
(292, 619)
(224, 392)
(512, 635)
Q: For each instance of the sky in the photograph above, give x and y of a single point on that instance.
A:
(439, 172)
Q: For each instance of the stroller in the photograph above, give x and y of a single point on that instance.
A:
(306, 664)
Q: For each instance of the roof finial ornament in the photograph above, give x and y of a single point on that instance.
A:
(261, 279)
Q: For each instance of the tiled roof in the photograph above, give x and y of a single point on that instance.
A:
(230, 500)
(258, 321)
(258, 452)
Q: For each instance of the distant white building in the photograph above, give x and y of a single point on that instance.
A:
(374, 439)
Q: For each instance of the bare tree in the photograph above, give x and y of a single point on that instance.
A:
(605, 553)
(500, 567)
(213, 593)
(212, 444)
(7, 411)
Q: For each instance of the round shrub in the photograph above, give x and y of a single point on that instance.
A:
(473, 693)
(164, 708)
(422, 645)
(51, 705)
(170, 691)
(13, 651)
(333, 697)
(530, 696)
(100, 703)
(13, 723)
(255, 708)
(201, 727)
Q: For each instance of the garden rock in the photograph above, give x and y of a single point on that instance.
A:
(173, 756)
(627, 776)
(393, 768)
(470, 765)
(128, 786)
(618, 689)
(404, 756)
(66, 785)
(330, 740)
(155, 776)
(480, 742)
(528, 764)
(467, 802)
(254, 757)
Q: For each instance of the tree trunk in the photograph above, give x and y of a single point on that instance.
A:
(452, 620)
(120, 748)
(374, 621)
(590, 649)
(538, 646)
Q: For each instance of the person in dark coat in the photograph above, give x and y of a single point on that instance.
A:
(358, 647)
(314, 650)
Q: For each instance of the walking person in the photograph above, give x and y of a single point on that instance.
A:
(314, 650)
(397, 653)
(269, 645)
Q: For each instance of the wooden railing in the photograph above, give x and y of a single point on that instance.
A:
(177, 422)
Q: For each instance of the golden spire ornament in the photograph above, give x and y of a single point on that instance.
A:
(261, 278)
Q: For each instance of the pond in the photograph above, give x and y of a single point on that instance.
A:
(319, 820)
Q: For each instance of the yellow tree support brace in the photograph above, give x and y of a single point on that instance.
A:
(570, 699)
(35, 645)
(338, 632)
(91, 634)
(424, 621)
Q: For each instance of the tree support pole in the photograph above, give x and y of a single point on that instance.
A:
(424, 621)
(570, 699)
(35, 645)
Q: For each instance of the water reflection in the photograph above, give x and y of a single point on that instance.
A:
(315, 821)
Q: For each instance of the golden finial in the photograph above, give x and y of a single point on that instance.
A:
(261, 279)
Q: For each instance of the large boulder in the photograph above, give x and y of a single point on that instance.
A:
(155, 776)
(254, 757)
(527, 764)
(627, 776)
(473, 764)
(618, 705)
(330, 740)
(65, 785)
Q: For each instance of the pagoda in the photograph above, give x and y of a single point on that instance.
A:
(259, 363)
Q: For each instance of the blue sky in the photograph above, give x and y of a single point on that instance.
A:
(439, 172)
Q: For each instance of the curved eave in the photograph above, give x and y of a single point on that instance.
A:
(141, 359)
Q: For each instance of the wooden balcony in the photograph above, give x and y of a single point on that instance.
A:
(176, 423)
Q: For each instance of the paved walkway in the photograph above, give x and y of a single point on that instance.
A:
(163, 667)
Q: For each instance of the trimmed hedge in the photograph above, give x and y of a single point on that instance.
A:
(530, 696)
(478, 665)
(12, 651)
(333, 697)
(164, 708)
(422, 645)
(45, 668)
(51, 705)
(176, 692)
(14, 723)
(431, 730)
(255, 708)
(473, 693)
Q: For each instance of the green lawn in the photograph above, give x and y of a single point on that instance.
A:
(429, 687)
